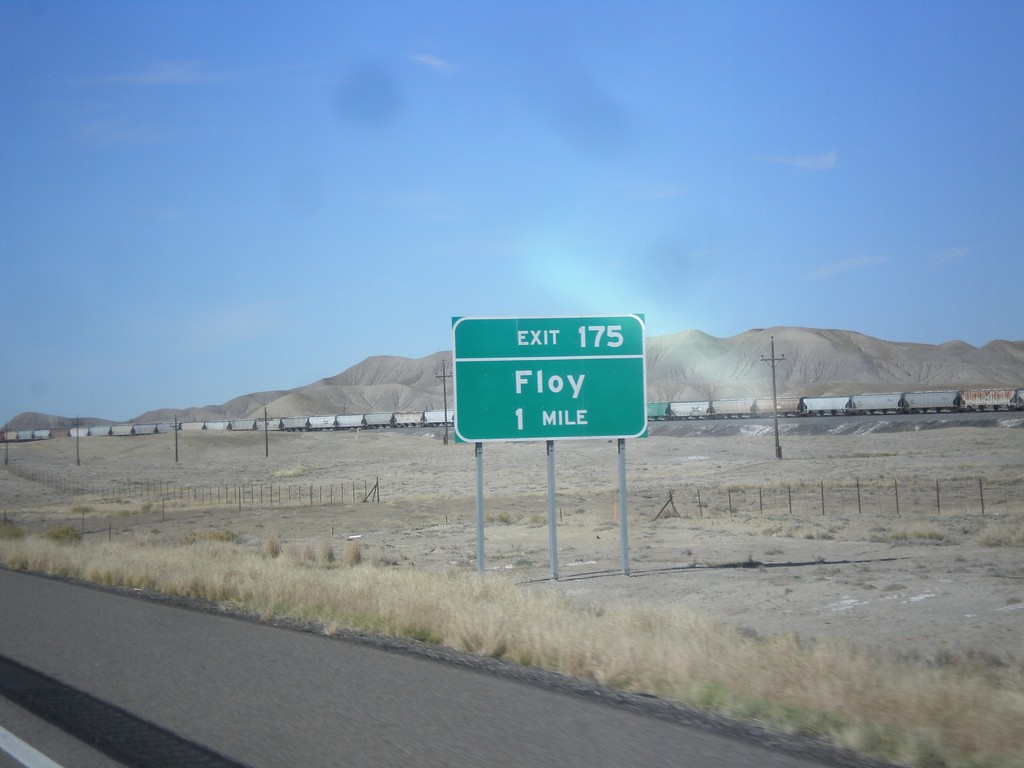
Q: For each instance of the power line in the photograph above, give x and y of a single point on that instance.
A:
(773, 361)
(444, 376)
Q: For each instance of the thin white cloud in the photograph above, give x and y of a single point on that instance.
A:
(238, 323)
(846, 265)
(435, 63)
(162, 73)
(822, 162)
(656, 190)
(951, 255)
(428, 204)
(117, 131)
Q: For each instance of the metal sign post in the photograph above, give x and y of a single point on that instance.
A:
(479, 507)
(552, 512)
(549, 378)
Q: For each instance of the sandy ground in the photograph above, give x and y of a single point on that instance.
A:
(812, 544)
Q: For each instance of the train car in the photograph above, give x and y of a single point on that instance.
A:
(294, 423)
(787, 406)
(735, 407)
(192, 426)
(825, 406)
(121, 430)
(988, 399)
(163, 427)
(242, 425)
(144, 429)
(378, 419)
(878, 402)
(349, 420)
(441, 417)
(922, 402)
(1020, 400)
(268, 425)
(217, 426)
(657, 411)
(407, 419)
(689, 409)
(322, 422)
(99, 430)
(77, 432)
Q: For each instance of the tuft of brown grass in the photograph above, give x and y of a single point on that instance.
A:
(272, 546)
(64, 534)
(294, 472)
(900, 709)
(352, 553)
(10, 531)
(1002, 534)
(916, 531)
(216, 535)
(325, 554)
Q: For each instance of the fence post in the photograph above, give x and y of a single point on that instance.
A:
(896, 489)
(858, 496)
(981, 493)
(789, 488)
(938, 503)
(700, 505)
(822, 498)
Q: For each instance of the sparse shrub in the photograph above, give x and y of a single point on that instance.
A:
(917, 532)
(352, 553)
(995, 535)
(294, 472)
(302, 554)
(146, 508)
(81, 509)
(272, 546)
(64, 534)
(326, 553)
(10, 531)
(227, 537)
(504, 518)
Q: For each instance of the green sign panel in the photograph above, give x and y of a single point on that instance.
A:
(549, 378)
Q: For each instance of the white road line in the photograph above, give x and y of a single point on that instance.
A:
(23, 753)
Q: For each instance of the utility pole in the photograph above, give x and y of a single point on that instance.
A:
(444, 376)
(266, 434)
(78, 434)
(773, 361)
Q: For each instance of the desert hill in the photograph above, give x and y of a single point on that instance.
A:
(689, 365)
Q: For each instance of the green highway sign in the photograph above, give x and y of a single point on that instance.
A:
(549, 378)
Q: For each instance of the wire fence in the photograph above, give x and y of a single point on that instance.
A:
(895, 497)
(249, 494)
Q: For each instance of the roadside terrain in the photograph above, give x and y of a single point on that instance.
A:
(908, 541)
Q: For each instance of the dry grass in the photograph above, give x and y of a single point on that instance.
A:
(954, 713)
(10, 531)
(1005, 533)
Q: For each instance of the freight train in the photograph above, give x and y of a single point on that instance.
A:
(946, 401)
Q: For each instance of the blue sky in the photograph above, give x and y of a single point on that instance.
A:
(204, 199)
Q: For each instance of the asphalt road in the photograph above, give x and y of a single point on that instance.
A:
(260, 695)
